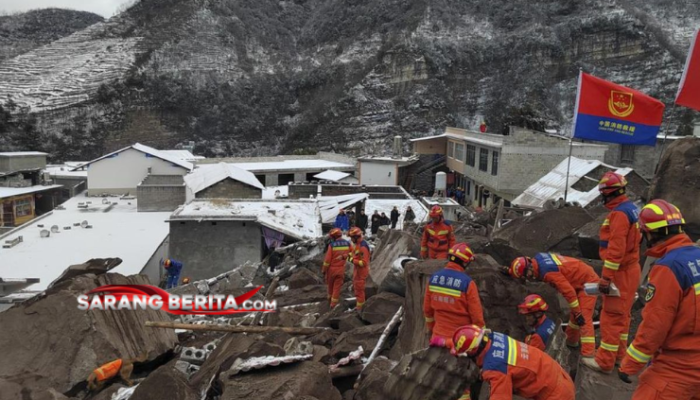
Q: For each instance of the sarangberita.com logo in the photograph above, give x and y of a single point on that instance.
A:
(142, 297)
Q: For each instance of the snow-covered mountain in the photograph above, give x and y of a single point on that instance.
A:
(268, 76)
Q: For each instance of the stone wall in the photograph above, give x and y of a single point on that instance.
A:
(644, 159)
(230, 189)
(155, 198)
(210, 248)
(11, 164)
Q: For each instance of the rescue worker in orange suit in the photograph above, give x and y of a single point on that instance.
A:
(338, 253)
(619, 249)
(360, 261)
(512, 367)
(541, 327)
(452, 300)
(669, 336)
(438, 236)
(567, 275)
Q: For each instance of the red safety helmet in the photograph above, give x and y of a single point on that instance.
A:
(435, 212)
(335, 233)
(467, 339)
(611, 182)
(461, 254)
(533, 303)
(519, 267)
(660, 214)
(355, 232)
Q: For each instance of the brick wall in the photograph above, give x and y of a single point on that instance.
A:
(160, 198)
(644, 159)
(230, 189)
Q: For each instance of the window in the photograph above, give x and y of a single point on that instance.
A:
(451, 149)
(627, 154)
(471, 155)
(23, 207)
(469, 184)
(459, 152)
(483, 160)
(494, 164)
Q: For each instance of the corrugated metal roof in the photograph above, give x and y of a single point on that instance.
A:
(552, 185)
(146, 150)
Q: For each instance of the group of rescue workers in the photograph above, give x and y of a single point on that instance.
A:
(667, 341)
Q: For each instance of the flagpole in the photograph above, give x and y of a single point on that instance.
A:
(573, 130)
(568, 168)
(663, 143)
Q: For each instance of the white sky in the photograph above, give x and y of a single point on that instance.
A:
(106, 8)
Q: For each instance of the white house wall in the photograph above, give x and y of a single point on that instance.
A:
(378, 173)
(124, 171)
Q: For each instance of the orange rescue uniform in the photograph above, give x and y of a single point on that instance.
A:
(438, 239)
(669, 335)
(619, 249)
(512, 367)
(568, 275)
(451, 301)
(540, 337)
(360, 261)
(337, 255)
(108, 371)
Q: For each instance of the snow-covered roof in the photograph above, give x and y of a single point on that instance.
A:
(330, 175)
(445, 201)
(184, 155)
(11, 192)
(385, 206)
(206, 176)
(300, 219)
(22, 154)
(330, 205)
(269, 192)
(485, 139)
(293, 165)
(117, 232)
(65, 170)
(552, 185)
(146, 150)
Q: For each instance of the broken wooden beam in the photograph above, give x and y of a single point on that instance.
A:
(268, 296)
(236, 328)
(346, 371)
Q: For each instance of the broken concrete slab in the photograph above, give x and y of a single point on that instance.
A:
(292, 381)
(592, 385)
(309, 294)
(285, 317)
(542, 231)
(166, 380)
(589, 239)
(394, 243)
(96, 266)
(347, 322)
(302, 278)
(326, 338)
(380, 308)
(47, 342)
(373, 378)
(430, 374)
(321, 353)
(365, 336)
(13, 391)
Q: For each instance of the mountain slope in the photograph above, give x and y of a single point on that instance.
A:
(263, 77)
(20, 33)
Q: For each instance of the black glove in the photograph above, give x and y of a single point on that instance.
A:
(624, 377)
(580, 321)
(505, 271)
(604, 286)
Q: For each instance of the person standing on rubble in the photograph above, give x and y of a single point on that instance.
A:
(173, 268)
(669, 335)
(394, 217)
(338, 253)
(360, 262)
(541, 328)
(376, 221)
(410, 216)
(619, 249)
(568, 275)
(362, 221)
(512, 367)
(342, 221)
(438, 236)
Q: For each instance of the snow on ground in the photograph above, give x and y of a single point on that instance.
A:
(385, 206)
(288, 165)
(117, 232)
(297, 218)
(269, 192)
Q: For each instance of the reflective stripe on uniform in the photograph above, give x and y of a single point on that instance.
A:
(574, 304)
(341, 248)
(624, 336)
(612, 265)
(573, 325)
(428, 319)
(606, 222)
(512, 351)
(451, 292)
(361, 263)
(555, 258)
(697, 289)
(638, 355)
(423, 249)
(466, 396)
(440, 233)
(609, 347)
(431, 232)
(587, 339)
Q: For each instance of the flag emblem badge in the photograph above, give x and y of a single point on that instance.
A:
(621, 104)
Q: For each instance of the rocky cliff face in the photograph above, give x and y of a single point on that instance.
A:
(20, 33)
(260, 77)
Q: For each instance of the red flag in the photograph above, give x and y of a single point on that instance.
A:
(482, 127)
(689, 90)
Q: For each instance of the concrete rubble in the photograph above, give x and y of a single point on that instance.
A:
(332, 364)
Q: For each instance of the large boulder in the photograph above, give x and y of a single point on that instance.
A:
(588, 237)
(165, 382)
(11, 390)
(303, 278)
(95, 266)
(592, 385)
(499, 297)
(290, 381)
(543, 231)
(678, 180)
(365, 336)
(380, 308)
(373, 378)
(394, 243)
(46, 342)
